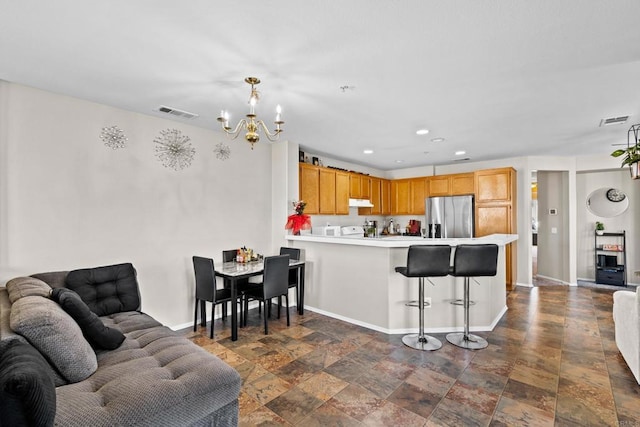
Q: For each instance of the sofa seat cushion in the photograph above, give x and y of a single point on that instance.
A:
(106, 290)
(130, 321)
(170, 380)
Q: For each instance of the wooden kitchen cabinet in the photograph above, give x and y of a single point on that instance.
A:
(355, 191)
(495, 185)
(450, 185)
(375, 195)
(327, 191)
(400, 196)
(496, 200)
(439, 185)
(342, 193)
(309, 182)
(365, 187)
(462, 183)
(385, 196)
(418, 192)
(407, 196)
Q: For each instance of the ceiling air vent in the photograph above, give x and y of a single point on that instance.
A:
(614, 121)
(178, 113)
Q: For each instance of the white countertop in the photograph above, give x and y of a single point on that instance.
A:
(404, 241)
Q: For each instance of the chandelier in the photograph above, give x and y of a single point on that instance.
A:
(250, 124)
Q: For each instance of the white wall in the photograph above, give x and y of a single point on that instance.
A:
(67, 201)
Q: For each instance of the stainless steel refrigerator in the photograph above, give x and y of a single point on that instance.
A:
(449, 216)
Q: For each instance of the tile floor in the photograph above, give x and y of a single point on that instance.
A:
(552, 360)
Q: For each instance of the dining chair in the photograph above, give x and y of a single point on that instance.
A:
(206, 290)
(294, 253)
(275, 283)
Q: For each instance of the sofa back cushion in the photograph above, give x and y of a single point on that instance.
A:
(106, 290)
(27, 391)
(55, 279)
(56, 335)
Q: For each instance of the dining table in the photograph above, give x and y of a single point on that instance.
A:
(235, 271)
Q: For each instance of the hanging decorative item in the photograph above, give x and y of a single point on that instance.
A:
(223, 152)
(113, 137)
(173, 149)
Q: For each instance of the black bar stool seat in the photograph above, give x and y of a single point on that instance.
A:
(472, 261)
(425, 261)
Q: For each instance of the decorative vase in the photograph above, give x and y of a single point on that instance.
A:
(599, 232)
(634, 168)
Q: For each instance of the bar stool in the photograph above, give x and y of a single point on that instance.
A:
(424, 261)
(472, 261)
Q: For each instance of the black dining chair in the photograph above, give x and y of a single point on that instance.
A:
(241, 285)
(206, 290)
(275, 283)
(294, 253)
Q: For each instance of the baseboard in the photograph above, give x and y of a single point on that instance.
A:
(486, 328)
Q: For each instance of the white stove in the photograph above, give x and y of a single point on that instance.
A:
(353, 231)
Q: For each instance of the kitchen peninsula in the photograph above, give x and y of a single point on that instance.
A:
(354, 279)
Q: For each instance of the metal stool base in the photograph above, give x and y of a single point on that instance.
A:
(428, 343)
(470, 341)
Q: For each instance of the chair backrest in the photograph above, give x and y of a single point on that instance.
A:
(276, 276)
(428, 260)
(294, 253)
(475, 260)
(229, 255)
(205, 278)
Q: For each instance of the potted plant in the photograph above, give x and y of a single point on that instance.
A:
(631, 153)
(599, 228)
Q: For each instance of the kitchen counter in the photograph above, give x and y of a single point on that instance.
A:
(354, 279)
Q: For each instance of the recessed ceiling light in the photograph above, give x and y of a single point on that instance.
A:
(422, 131)
(399, 161)
(437, 139)
(367, 151)
(460, 153)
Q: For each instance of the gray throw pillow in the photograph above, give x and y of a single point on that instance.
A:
(56, 335)
(26, 286)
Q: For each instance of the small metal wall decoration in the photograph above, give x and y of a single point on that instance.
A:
(223, 152)
(113, 137)
(174, 149)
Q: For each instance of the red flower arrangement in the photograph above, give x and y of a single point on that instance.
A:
(298, 221)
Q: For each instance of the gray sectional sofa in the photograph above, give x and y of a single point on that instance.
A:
(55, 371)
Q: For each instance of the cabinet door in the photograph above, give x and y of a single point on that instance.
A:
(342, 193)
(418, 186)
(309, 182)
(493, 219)
(327, 192)
(385, 196)
(376, 195)
(365, 187)
(400, 196)
(354, 186)
(494, 185)
(462, 183)
(438, 186)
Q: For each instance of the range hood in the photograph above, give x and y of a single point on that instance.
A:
(360, 203)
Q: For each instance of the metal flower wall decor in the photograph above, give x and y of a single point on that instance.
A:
(173, 149)
(113, 137)
(223, 152)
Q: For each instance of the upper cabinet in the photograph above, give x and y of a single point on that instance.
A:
(495, 185)
(407, 196)
(342, 193)
(385, 196)
(309, 183)
(450, 185)
(359, 186)
(462, 183)
(326, 191)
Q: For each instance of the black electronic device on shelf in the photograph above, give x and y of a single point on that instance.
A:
(611, 258)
